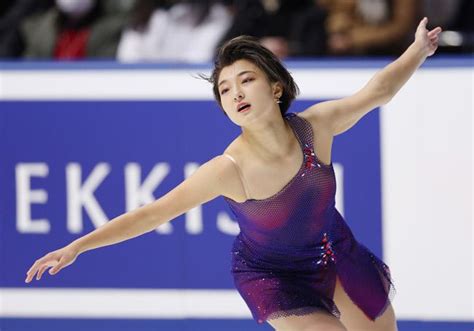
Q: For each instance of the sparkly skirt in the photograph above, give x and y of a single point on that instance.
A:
(279, 281)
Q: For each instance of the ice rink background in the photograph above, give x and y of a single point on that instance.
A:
(83, 143)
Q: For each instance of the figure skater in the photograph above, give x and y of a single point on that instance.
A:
(295, 261)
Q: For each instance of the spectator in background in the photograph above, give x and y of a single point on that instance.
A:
(75, 29)
(362, 27)
(288, 28)
(11, 14)
(183, 31)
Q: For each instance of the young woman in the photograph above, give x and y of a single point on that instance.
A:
(295, 262)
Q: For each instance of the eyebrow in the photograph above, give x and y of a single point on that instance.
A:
(239, 74)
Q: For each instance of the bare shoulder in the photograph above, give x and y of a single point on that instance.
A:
(213, 178)
(219, 172)
(236, 158)
(236, 151)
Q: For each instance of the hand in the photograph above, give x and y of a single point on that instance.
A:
(58, 260)
(427, 40)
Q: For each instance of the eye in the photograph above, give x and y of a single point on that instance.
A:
(224, 91)
(248, 79)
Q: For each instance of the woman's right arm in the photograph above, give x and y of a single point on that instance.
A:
(213, 178)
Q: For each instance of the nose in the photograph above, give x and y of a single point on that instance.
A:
(238, 95)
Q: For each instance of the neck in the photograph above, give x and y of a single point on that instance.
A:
(270, 139)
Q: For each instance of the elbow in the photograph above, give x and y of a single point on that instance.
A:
(385, 92)
(386, 98)
(145, 217)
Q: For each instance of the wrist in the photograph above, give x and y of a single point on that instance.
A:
(77, 247)
(420, 49)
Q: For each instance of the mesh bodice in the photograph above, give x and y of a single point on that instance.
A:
(293, 244)
(288, 218)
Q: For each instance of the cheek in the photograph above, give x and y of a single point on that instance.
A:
(260, 91)
(226, 104)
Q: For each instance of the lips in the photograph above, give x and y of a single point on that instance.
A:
(242, 106)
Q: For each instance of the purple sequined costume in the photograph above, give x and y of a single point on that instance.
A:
(292, 245)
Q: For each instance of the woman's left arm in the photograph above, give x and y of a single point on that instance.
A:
(340, 115)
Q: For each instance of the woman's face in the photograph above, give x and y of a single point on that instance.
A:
(246, 93)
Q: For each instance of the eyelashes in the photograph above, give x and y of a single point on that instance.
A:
(246, 80)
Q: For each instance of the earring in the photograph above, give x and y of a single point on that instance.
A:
(278, 100)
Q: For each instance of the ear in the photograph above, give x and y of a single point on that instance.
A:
(277, 89)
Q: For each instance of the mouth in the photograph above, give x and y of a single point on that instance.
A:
(243, 107)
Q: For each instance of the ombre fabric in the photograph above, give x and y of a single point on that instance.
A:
(292, 245)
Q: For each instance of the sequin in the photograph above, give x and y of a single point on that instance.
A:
(292, 245)
(309, 159)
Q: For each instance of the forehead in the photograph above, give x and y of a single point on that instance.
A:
(237, 67)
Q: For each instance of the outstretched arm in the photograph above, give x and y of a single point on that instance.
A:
(340, 115)
(205, 184)
(209, 181)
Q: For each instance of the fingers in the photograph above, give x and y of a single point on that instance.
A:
(32, 271)
(39, 267)
(34, 266)
(431, 33)
(54, 270)
(423, 23)
(433, 36)
(434, 33)
(41, 271)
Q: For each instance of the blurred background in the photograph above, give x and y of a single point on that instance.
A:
(191, 30)
(101, 112)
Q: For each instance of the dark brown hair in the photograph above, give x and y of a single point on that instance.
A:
(248, 48)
